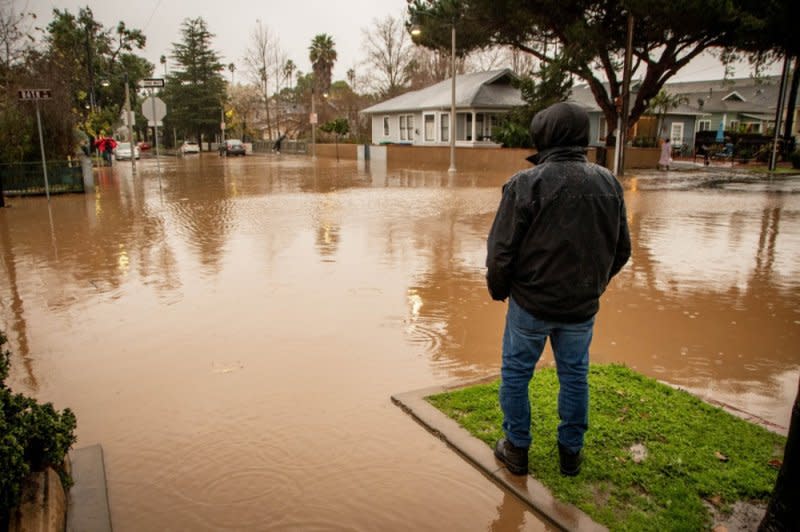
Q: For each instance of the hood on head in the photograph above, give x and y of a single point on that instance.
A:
(560, 125)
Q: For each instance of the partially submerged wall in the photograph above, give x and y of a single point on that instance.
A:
(509, 160)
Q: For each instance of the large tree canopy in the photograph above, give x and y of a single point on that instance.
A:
(195, 88)
(82, 62)
(587, 37)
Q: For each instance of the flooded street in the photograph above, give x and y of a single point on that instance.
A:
(232, 337)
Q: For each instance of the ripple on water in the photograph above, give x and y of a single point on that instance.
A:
(222, 468)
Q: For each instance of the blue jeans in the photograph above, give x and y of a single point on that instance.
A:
(523, 342)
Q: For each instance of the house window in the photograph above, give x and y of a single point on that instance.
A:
(385, 126)
(430, 128)
(752, 127)
(676, 133)
(444, 127)
(733, 126)
(703, 125)
(479, 121)
(492, 121)
(406, 127)
(602, 129)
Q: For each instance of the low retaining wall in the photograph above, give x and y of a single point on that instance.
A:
(346, 151)
(641, 157)
(508, 160)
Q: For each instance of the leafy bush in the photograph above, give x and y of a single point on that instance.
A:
(795, 158)
(33, 437)
(511, 134)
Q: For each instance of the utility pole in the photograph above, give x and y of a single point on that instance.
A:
(313, 125)
(452, 169)
(622, 135)
(130, 124)
(773, 156)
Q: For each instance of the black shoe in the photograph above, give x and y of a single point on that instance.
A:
(514, 458)
(570, 462)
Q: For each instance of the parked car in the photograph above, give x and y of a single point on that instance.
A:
(123, 151)
(233, 147)
(190, 147)
(144, 145)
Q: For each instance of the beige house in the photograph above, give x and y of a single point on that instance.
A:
(422, 117)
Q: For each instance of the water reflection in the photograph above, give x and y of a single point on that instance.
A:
(707, 302)
(244, 329)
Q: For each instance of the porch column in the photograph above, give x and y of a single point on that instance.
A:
(473, 127)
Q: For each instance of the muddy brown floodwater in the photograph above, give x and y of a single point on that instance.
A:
(232, 339)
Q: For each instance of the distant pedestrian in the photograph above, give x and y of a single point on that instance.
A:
(105, 145)
(705, 151)
(560, 234)
(666, 155)
(276, 147)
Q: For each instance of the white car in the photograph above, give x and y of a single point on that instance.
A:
(190, 147)
(123, 151)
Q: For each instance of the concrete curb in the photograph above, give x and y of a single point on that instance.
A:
(527, 489)
(88, 509)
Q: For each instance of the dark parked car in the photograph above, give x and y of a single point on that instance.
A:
(233, 147)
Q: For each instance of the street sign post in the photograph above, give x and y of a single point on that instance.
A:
(151, 83)
(154, 109)
(34, 95)
(26, 95)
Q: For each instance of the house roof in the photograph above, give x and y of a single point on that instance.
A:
(757, 97)
(743, 95)
(490, 89)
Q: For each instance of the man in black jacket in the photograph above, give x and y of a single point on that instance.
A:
(560, 234)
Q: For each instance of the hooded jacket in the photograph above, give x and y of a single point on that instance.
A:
(560, 233)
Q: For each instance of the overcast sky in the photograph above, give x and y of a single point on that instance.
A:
(295, 22)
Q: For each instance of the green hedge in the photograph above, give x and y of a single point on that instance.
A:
(33, 437)
(795, 158)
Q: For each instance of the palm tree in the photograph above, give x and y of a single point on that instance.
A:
(231, 68)
(288, 70)
(322, 55)
(662, 103)
(163, 61)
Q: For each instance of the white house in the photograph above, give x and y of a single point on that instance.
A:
(422, 117)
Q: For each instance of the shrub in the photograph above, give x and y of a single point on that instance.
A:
(33, 437)
(795, 158)
(512, 135)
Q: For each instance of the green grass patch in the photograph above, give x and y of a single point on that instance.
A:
(695, 452)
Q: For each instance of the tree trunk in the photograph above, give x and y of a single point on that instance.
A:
(783, 511)
(790, 105)
(266, 105)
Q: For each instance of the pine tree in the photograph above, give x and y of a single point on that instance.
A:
(195, 88)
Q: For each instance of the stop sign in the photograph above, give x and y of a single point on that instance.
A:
(154, 109)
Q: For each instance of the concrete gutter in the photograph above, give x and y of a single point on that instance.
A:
(529, 490)
(88, 499)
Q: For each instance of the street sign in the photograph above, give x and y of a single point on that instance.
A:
(124, 117)
(154, 109)
(149, 83)
(312, 118)
(34, 94)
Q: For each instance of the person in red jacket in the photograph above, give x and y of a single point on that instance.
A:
(105, 145)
